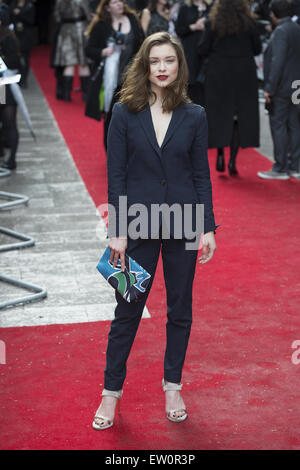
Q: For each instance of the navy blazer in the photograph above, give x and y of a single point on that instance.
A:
(282, 59)
(176, 172)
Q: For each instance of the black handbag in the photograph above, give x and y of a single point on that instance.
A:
(92, 107)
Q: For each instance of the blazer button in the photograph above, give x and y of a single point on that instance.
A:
(163, 182)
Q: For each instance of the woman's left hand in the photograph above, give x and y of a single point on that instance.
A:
(208, 247)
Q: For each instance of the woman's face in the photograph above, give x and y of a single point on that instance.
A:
(115, 7)
(163, 65)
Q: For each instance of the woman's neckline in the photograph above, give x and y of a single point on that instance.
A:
(153, 127)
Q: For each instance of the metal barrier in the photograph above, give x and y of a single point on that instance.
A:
(17, 199)
(40, 292)
(4, 172)
(26, 241)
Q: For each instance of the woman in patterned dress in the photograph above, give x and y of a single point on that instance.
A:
(73, 17)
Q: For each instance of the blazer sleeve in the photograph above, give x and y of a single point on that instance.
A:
(201, 171)
(182, 25)
(139, 35)
(279, 48)
(96, 42)
(117, 169)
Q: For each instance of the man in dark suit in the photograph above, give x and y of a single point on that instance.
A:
(281, 72)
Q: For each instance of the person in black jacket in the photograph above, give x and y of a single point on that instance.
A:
(114, 21)
(230, 43)
(22, 15)
(189, 28)
(281, 71)
(9, 52)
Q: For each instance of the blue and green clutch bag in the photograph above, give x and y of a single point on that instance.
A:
(130, 283)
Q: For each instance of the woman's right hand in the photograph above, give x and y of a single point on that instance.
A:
(118, 247)
(107, 51)
(199, 25)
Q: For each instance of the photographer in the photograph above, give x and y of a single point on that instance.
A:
(115, 30)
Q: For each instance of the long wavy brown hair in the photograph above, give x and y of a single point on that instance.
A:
(231, 17)
(136, 90)
(101, 14)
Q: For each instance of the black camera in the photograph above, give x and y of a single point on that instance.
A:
(118, 36)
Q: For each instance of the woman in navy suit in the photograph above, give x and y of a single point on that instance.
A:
(157, 154)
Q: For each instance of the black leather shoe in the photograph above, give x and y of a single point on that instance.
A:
(220, 164)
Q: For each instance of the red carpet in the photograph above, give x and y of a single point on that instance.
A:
(240, 385)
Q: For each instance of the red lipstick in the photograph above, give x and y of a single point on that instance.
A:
(162, 77)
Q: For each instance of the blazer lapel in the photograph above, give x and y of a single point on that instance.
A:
(177, 118)
(147, 124)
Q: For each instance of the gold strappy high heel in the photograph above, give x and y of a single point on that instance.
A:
(99, 420)
(174, 387)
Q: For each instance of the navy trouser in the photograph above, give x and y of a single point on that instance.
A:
(179, 269)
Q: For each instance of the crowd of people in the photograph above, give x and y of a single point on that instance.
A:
(221, 39)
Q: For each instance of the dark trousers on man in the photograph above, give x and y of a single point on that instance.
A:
(179, 269)
(285, 130)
